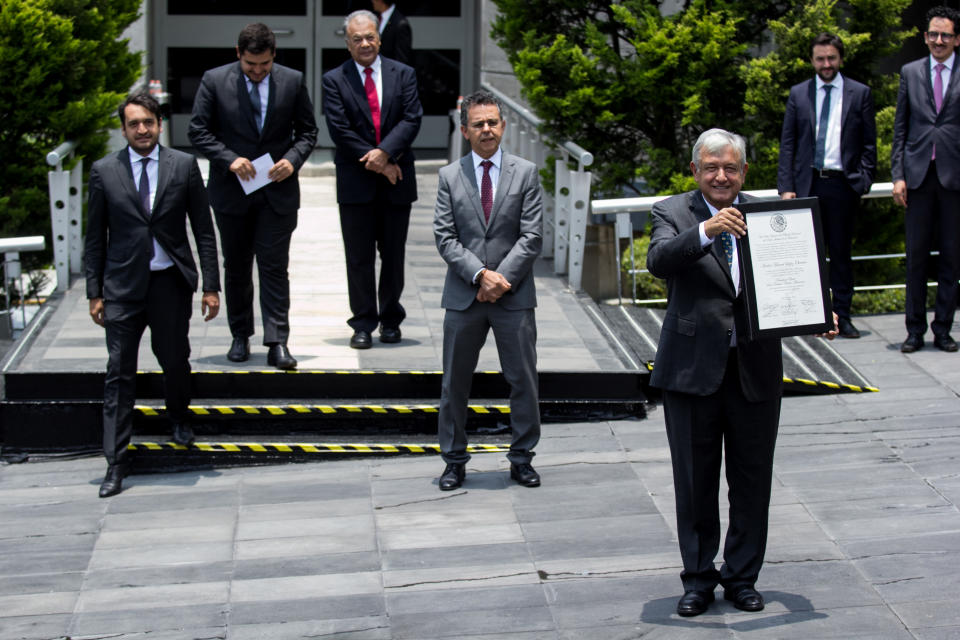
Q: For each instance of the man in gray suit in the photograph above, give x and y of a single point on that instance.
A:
(720, 390)
(488, 225)
(925, 162)
(140, 272)
(242, 111)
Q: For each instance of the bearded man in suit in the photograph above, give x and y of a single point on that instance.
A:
(140, 272)
(373, 114)
(242, 111)
(488, 225)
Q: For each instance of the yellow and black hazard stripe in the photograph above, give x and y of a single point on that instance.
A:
(321, 409)
(312, 447)
(824, 384)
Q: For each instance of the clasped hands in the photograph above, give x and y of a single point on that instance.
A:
(245, 170)
(492, 286)
(378, 161)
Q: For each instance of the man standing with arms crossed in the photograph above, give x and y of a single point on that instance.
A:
(242, 111)
(140, 272)
(925, 162)
(488, 226)
(828, 149)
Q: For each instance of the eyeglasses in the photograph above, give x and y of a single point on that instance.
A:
(933, 36)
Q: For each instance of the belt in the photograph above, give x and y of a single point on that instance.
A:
(828, 173)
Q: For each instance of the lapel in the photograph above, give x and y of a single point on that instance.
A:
(950, 89)
(243, 98)
(359, 94)
(468, 177)
(388, 82)
(125, 180)
(927, 83)
(701, 213)
(812, 103)
(164, 172)
(845, 106)
(271, 99)
(508, 169)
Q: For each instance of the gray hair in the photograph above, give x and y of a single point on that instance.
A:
(360, 13)
(714, 141)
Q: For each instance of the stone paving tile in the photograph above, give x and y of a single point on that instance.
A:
(333, 607)
(457, 624)
(372, 628)
(151, 621)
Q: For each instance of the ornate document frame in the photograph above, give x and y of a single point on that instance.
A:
(783, 262)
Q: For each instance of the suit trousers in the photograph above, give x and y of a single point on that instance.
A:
(369, 229)
(167, 312)
(464, 333)
(932, 221)
(257, 230)
(699, 430)
(838, 208)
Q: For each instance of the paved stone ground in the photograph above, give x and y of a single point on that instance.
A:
(865, 535)
(865, 530)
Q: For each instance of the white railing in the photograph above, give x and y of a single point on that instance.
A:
(623, 207)
(11, 249)
(66, 212)
(566, 210)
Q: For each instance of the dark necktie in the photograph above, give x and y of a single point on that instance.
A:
(371, 88)
(726, 241)
(937, 95)
(144, 187)
(486, 190)
(822, 129)
(257, 105)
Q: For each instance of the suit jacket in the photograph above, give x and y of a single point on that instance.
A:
(917, 127)
(396, 41)
(703, 309)
(119, 240)
(508, 244)
(798, 140)
(350, 124)
(223, 128)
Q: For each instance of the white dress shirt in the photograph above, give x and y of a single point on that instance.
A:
(160, 259)
(377, 78)
(831, 159)
(264, 87)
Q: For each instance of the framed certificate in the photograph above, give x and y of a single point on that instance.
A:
(783, 262)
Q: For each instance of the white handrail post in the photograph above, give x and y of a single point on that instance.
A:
(562, 199)
(59, 184)
(579, 211)
(549, 204)
(75, 217)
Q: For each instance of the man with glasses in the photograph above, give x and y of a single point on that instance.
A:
(925, 163)
(373, 114)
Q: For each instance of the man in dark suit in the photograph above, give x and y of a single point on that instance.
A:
(718, 387)
(925, 162)
(140, 272)
(242, 111)
(488, 225)
(373, 114)
(828, 149)
(396, 37)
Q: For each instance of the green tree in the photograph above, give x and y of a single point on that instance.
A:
(66, 70)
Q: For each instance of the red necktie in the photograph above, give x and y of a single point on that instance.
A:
(486, 190)
(371, 88)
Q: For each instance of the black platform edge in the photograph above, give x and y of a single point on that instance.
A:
(319, 384)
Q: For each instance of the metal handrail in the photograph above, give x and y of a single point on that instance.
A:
(60, 154)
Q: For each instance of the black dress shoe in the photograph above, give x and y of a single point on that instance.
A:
(239, 350)
(744, 598)
(452, 476)
(113, 481)
(525, 475)
(361, 340)
(847, 330)
(945, 343)
(693, 603)
(182, 434)
(279, 356)
(913, 343)
(389, 335)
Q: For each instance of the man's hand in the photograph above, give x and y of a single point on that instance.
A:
(788, 195)
(900, 192)
(243, 168)
(833, 333)
(210, 305)
(280, 171)
(392, 173)
(492, 286)
(727, 219)
(96, 310)
(375, 160)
